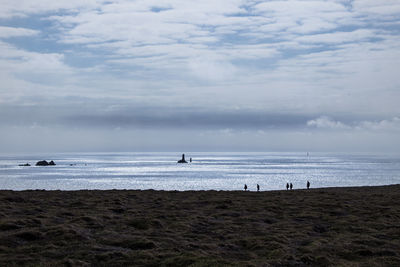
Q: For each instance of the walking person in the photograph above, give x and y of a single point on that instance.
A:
(291, 186)
(258, 188)
(308, 185)
(287, 186)
(245, 187)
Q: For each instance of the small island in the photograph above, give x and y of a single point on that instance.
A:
(45, 163)
(24, 165)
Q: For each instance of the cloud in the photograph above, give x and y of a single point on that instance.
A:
(7, 32)
(25, 73)
(23, 8)
(389, 8)
(325, 122)
(19, 59)
(173, 35)
(338, 37)
(225, 34)
(383, 125)
(143, 116)
(302, 16)
(241, 64)
(387, 125)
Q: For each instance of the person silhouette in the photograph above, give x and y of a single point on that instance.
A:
(308, 185)
(287, 186)
(258, 188)
(245, 187)
(291, 186)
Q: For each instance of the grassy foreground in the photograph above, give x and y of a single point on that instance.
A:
(335, 226)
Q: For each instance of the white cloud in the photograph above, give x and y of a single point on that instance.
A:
(212, 69)
(383, 125)
(7, 32)
(23, 8)
(297, 57)
(31, 74)
(388, 125)
(377, 8)
(325, 122)
(13, 58)
(338, 37)
(303, 16)
(186, 31)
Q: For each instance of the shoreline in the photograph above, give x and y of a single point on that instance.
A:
(319, 226)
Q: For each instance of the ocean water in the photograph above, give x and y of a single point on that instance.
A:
(208, 171)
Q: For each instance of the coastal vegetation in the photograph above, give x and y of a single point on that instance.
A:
(320, 227)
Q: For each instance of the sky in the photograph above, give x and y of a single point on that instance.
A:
(178, 75)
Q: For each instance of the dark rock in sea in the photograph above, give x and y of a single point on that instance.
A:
(183, 159)
(45, 163)
(23, 165)
(42, 163)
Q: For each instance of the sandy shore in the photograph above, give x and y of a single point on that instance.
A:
(335, 226)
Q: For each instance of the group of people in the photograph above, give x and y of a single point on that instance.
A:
(288, 185)
(245, 187)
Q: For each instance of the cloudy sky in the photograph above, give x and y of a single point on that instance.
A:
(178, 75)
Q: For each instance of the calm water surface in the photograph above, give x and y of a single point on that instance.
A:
(218, 171)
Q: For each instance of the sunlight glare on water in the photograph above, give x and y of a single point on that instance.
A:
(208, 171)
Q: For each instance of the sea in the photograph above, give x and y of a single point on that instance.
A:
(207, 171)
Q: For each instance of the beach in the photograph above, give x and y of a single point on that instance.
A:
(321, 227)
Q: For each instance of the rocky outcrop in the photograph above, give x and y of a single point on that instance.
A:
(183, 159)
(45, 163)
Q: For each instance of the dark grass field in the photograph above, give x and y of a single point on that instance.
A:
(320, 227)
